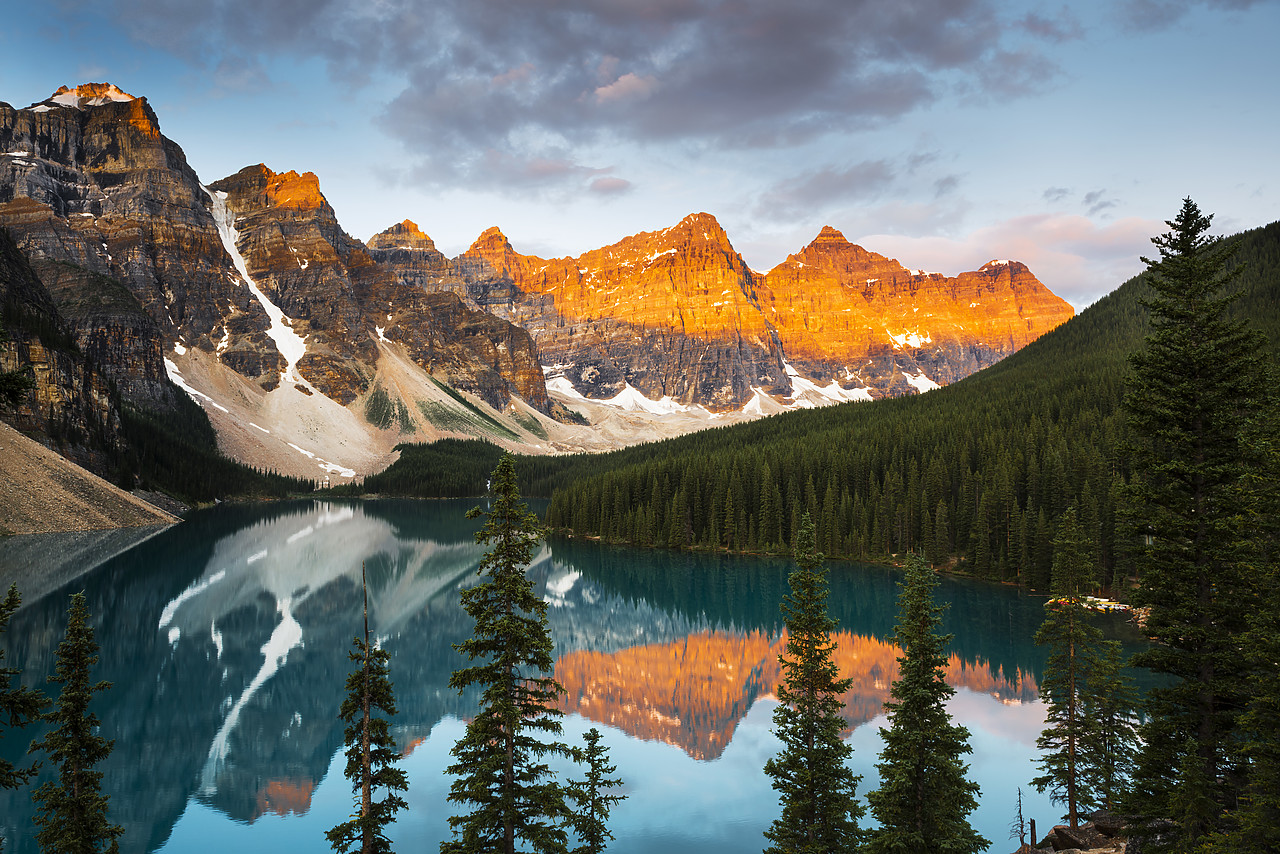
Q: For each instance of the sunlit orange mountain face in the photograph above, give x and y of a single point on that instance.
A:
(678, 313)
(692, 693)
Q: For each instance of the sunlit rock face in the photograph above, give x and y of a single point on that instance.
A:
(344, 301)
(840, 309)
(677, 313)
(673, 313)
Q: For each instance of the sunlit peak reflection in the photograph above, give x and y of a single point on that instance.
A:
(693, 692)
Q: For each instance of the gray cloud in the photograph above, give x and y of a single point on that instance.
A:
(945, 185)
(1054, 195)
(1096, 202)
(806, 192)
(1058, 28)
(610, 186)
(1152, 15)
(537, 81)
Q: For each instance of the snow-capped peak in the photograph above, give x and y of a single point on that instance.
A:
(87, 95)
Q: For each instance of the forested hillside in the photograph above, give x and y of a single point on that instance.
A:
(981, 469)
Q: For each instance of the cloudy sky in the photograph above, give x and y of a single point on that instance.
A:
(944, 133)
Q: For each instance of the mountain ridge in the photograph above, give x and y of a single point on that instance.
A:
(269, 309)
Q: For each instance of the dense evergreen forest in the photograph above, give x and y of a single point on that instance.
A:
(978, 471)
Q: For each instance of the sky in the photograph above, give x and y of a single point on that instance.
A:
(943, 133)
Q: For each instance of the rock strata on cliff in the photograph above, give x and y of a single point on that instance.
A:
(671, 314)
(93, 192)
(71, 404)
(236, 292)
(856, 316)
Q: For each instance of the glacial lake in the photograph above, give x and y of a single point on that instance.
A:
(226, 640)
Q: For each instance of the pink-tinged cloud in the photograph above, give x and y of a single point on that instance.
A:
(628, 87)
(610, 186)
(1076, 258)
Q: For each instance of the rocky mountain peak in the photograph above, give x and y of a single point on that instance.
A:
(490, 240)
(258, 188)
(402, 235)
(86, 95)
(831, 253)
(701, 227)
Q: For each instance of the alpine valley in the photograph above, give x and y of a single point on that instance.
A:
(132, 285)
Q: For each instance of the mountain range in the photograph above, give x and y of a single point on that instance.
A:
(314, 353)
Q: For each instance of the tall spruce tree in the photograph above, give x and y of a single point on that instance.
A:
(925, 797)
(1074, 644)
(1111, 740)
(590, 820)
(511, 796)
(1192, 392)
(820, 808)
(19, 705)
(371, 751)
(71, 811)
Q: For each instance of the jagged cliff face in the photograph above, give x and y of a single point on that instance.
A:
(71, 403)
(343, 302)
(676, 313)
(87, 181)
(846, 313)
(234, 293)
(672, 313)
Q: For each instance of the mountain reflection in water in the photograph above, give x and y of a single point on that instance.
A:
(692, 693)
(226, 638)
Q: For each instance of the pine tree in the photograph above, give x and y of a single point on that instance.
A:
(924, 797)
(1193, 389)
(820, 810)
(19, 706)
(1073, 645)
(1112, 737)
(371, 751)
(591, 818)
(71, 812)
(511, 795)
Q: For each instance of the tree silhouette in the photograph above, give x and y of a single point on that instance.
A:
(591, 819)
(820, 810)
(924, 797)
(71, 812)
(371, 751)
(511, 795)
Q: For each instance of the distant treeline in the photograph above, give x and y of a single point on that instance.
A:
(177, 453)
(979, 470)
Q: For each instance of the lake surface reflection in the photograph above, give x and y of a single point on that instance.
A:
(226, 638)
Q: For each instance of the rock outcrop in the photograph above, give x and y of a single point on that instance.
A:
(672, 313)
(93, 192)
(343, 301)
(125, 236)
(843, 312)
(71, 404)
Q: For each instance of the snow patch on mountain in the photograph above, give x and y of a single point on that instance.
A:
(290, 344)
(920, 382)
(175, 377)
(806, 394)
